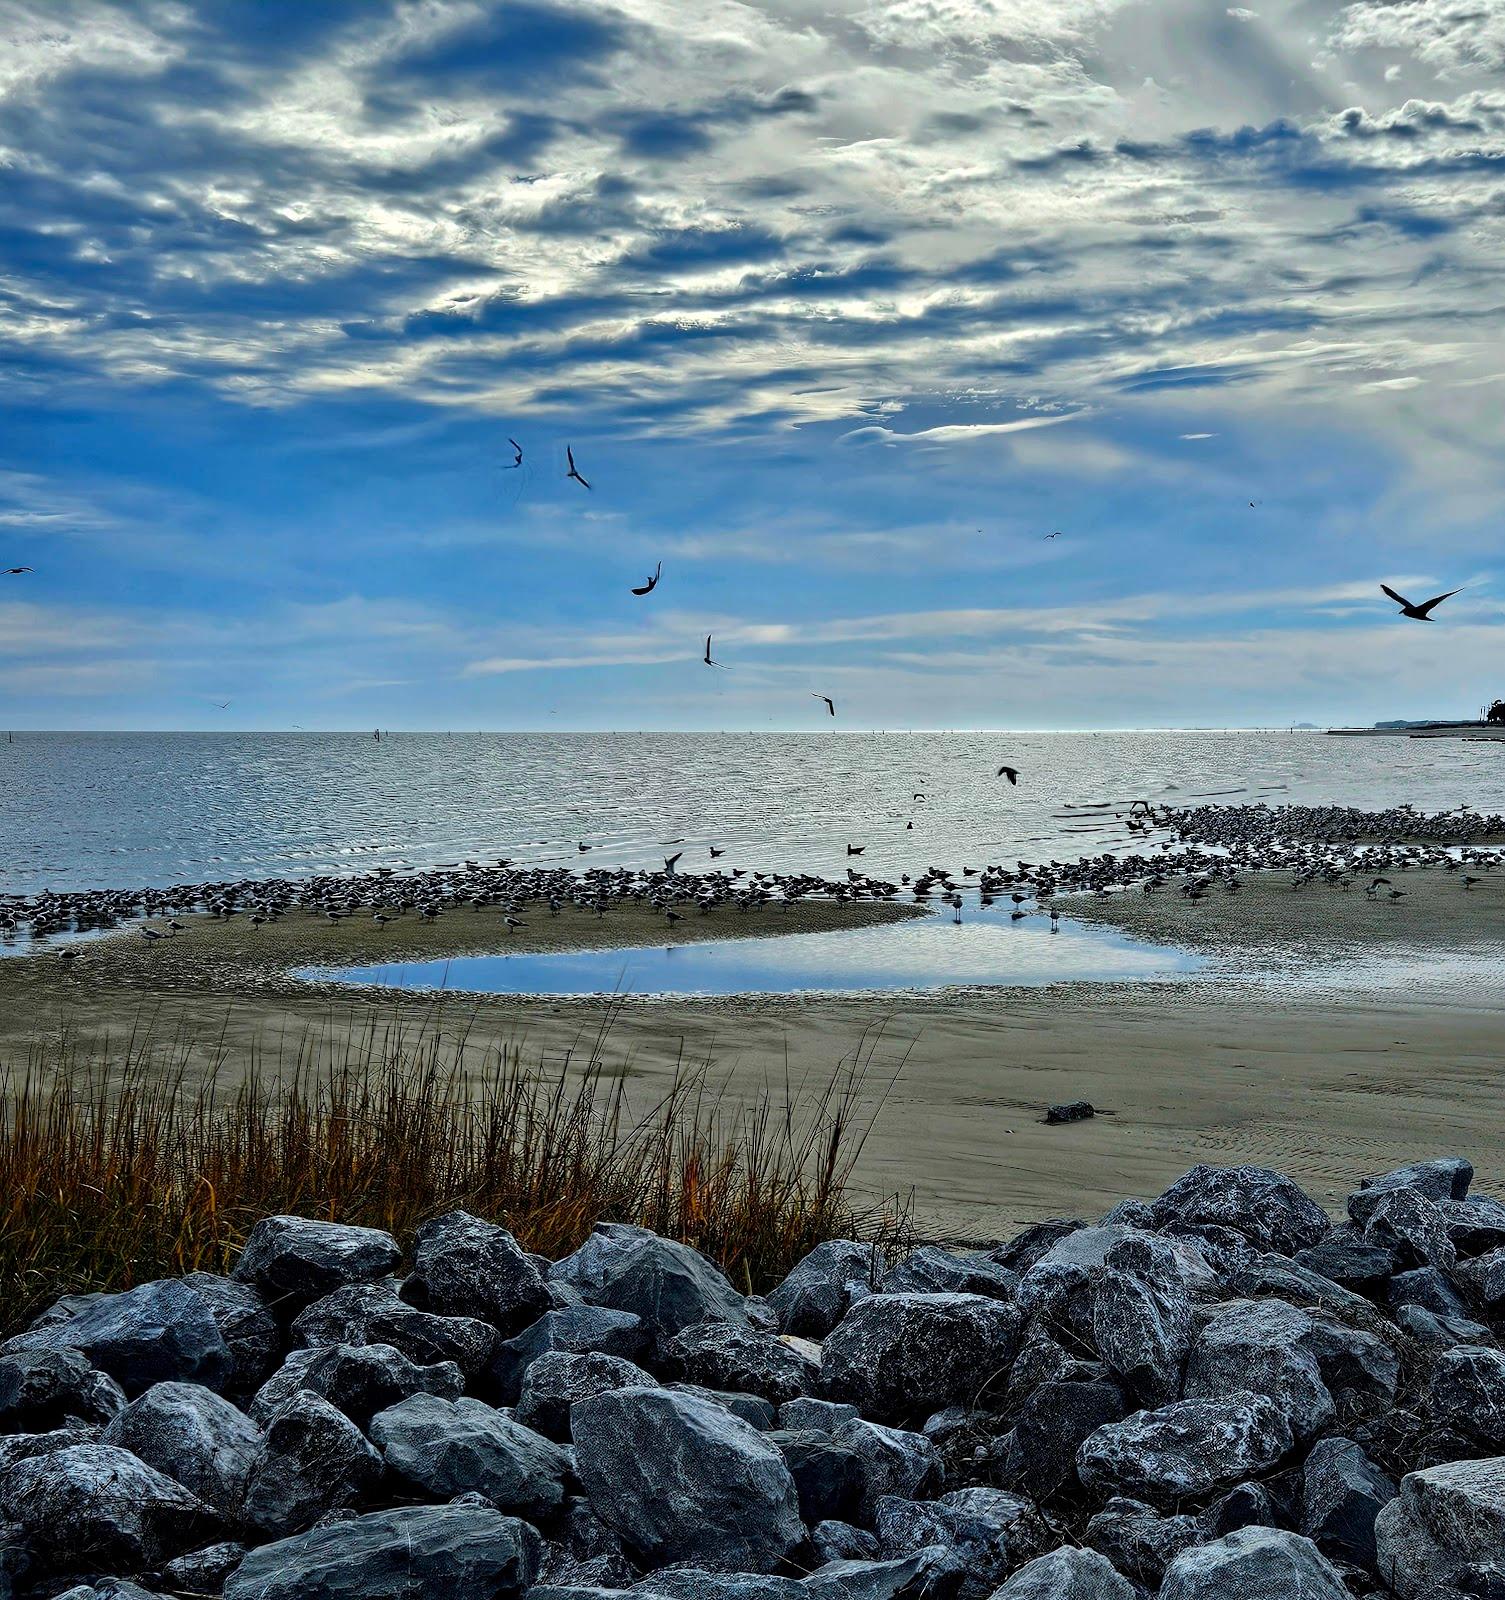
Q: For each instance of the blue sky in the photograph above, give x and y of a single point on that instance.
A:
(843, 307)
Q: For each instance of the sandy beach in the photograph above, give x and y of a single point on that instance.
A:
(1313, 1072)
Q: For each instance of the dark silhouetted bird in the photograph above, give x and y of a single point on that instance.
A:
(1011, 773)
(830, 703)
(574, 471)
(15, 572)
(855, 849)
(708, 661)
(517, 460)
(1420, 613)
(652, 583)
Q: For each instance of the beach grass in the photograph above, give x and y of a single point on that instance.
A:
(123, 1161)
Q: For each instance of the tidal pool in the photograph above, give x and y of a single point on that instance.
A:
(986, 949)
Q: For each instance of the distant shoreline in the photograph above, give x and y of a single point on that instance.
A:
(1488, 731)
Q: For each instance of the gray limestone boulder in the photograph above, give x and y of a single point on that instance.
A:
(555, 1381)
(682, 1480)
(934, 1270)
(670, 1286)
(572, 1330)
(300, 1259)
(1253, 1564)
(900, 1357)
(1186, 1450)
(823, 1286)
(1443, 1178)
(442, 1448)
(1467, 1392)
(729, 1355)
(313, 1460)
(893, 1461)
(155, 1333)
(359, 1380)
(1067, 1574)
(1342, 1493)
(465, 1267)
(1138, 1540)
(989, 1532)
(372, 1313)
(94, 1506)
(45, 1389)
(1263, 1205)
(1262, 1345)
(1444, 1520)
(190, 1433)
(457, 1552)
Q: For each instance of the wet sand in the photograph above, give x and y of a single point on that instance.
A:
(1328, 1082)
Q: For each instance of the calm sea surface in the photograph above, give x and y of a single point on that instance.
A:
(127, 810)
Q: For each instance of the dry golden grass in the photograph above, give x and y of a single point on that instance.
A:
(116, 1167)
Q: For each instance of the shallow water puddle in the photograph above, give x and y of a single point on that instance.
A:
(987, 949)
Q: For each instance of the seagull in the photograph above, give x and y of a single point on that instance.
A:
(652, 583)
(855, 849)
(574, 471)
(15, 572)
(518, 459)
(715, 852)
(1011, 773)
(708, 660)
(830, 703)
(1419, 612)
(1055, 535)
(669, 861)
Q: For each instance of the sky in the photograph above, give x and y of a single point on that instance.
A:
(843, 308)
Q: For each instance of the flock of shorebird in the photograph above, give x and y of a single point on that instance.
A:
(1327, 846)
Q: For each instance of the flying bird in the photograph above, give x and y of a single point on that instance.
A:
(708, 661)
(652, 583)
(1011, 773)
(1419, 612)
(574, 471)
(517, 459)
(671, 861)
(1055, 535)
(15, 572)
(830, 703)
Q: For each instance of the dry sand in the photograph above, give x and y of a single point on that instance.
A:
(1329, 1083)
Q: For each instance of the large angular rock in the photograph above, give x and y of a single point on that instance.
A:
(893, 1461)
(154, 1333)
(299, 1259)
(900, 1357)
(1067, 1574)
(1021, 1252)
(1443, 1521)
(823, 1286)
(585, 1270)
(1139, 1541)
(1345, 1258)
(313, 1460)
(1484, 1279)
(204, 1571)
(1467, 1389)
(16, 1447)
(917, 1577)
(555, 1381)
(1253, 1564)
(1038, 1454)
(934, 1270)
(443, 1448)
(1475, 1225)
(247, 1326)
(45, 1389)
(670, 1286)
(828, 1476)
(684, 1481)
(458, 1552)
(96, 1505)
(359, 1380)
(1263, 1205)
(189, 1433)
(1341, 1495)
(372, 1313)
(1142, 1329)
(989, 1532)
(1275, 1276)
(730, 1355)
(569, 1330)
(464, 1267)
(1260, 1345)
(1075, 1260)
(1413, 1228)
(1443, 1178)
(696, 1583)
(1186, 1450)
